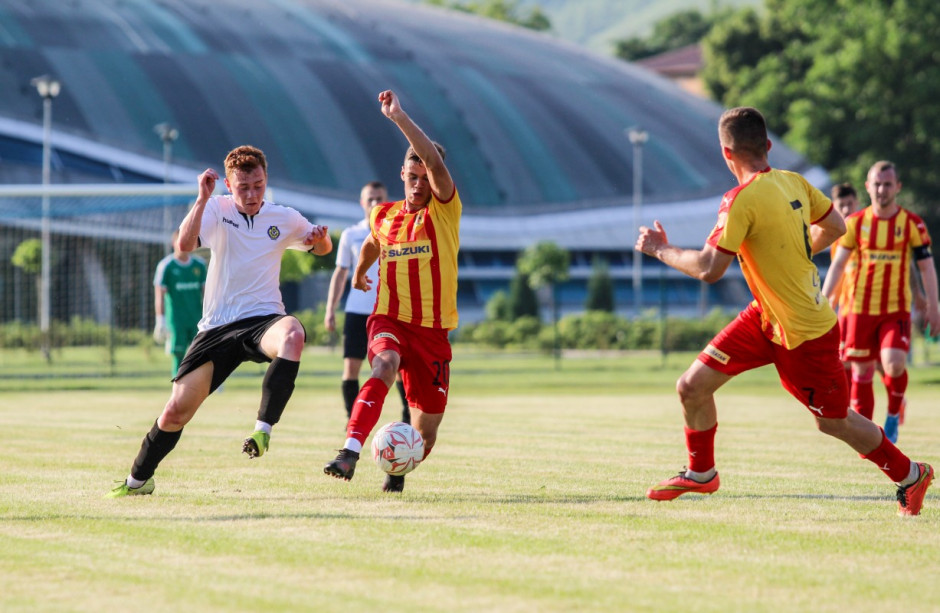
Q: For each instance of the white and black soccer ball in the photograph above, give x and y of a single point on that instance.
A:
(397, 448)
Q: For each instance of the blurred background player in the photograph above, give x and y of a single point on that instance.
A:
(884, 238)
(415, 241)
(845, 200)
(243, 313)
(359, 303)
(773, 223)
(177, 286)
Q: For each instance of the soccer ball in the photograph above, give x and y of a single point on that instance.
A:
(397, 448)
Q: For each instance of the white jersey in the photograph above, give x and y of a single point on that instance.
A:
(246, 259)
(347, 256)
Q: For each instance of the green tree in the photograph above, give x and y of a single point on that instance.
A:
(522, 298)
(600, 289)
(501, 10)
(546, 265)
(676, 31)
(844, 82)
(497, 307)
(296, 266)
(28, 257)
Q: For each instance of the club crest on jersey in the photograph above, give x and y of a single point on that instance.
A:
(273, 233)
(407, 251)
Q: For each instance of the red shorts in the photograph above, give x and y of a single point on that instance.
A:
(867, 335)
(843, 331)
(425, 359)
(811, 372)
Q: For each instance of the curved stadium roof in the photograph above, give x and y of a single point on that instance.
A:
(534, 127)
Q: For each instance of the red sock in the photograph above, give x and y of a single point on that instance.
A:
(890, 460)
(896, 388)
(863, 395)
(427, 451)
(366, 409)
(701, 446)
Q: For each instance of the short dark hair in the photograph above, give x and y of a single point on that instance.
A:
(882, 166)
(245, 158)
(374, 185)
(412, 156)
(843, 190)
(744, 131)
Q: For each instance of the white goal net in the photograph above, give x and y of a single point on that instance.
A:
(104, 244)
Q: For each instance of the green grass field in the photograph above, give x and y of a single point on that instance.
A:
(533, 500)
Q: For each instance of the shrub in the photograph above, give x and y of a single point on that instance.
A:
(317, 334)
(593, 330)
(492, 333)
(498, 308)
(524, 331)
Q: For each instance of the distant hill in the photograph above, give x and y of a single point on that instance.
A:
(597, 23)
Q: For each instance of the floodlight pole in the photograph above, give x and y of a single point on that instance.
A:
(168, 134)
(637, 138)
(48, 89)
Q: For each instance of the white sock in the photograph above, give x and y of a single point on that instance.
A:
(263, 426)
(912, 476)
(353, 445)
(133, 483)
(704, 477)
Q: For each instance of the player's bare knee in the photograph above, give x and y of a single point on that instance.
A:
(384, 370)
(687, 389)
(174, 416)
(293, 341)
(895, 369)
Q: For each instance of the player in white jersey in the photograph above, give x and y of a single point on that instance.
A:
(359, 303)
(243, 315)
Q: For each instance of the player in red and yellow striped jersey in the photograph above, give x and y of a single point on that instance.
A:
(415, 241)
(883, 237)
(773, 223)
(845, 200)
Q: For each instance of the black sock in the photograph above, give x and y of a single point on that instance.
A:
(350, 389)
(276, 389)
(155, 446)
(405, 411)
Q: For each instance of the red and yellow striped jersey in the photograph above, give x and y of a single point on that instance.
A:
(765, 222)
(418, 262)
(846, 284)
(883, 247)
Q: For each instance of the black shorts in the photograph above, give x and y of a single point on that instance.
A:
(227, 347)
(355, 339)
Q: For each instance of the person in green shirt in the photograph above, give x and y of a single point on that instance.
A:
(178, 284)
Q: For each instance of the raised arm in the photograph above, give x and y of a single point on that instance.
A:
(192, 223)
(707, 264)
(441, 182)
